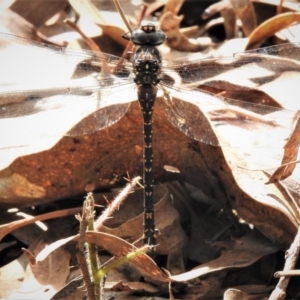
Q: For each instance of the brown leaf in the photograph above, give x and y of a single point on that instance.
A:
(9, 227)
(119, 247)
(249, 195)
(116, 247)
(25, 135)
(272, 203)
(237, 294)
(215, 8)
(37, 13)
(45, 279)
(291, 150)
(12, 276)
(173, 6)
(169, 23)
(240, 253)
(270, 27)
(137, 287)
(42, 255)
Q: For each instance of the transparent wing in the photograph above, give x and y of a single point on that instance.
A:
(257, 139)
(200, 115)
(36, 79)
(243, 70)
(250, 127)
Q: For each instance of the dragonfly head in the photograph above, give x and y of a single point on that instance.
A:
(147, 34)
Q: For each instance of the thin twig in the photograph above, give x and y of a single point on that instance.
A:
(287, 273)
(9, 227)
(92, 257)
(121, 12)
(129, 45)
(92, 45)
(87, 39)
(116, 203)
(291, 257)
(81, 255)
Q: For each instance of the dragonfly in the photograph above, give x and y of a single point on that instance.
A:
(102, 86)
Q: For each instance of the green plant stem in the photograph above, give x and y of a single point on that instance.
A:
(120, 261)
(81, 256)
(92, 249)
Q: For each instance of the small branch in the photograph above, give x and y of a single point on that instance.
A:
(121, 12)
(81, 255)
(92, 45)
(88, 40)
(291, 257)
(287, 273)
(9, 227)
(93, 258)
(119, 261)
(116, 203)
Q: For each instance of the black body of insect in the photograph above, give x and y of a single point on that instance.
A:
(146, 64)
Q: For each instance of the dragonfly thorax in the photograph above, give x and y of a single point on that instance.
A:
(145, 77)
(146, 63)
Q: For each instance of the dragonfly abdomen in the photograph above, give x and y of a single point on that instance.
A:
(146, 96)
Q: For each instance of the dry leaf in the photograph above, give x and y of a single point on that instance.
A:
(236, 255)
(291, 150)
(12, 276)
(169, 23)
(9, 227)
(37, 13)
(45, 279)
(270, 27)
(116, 247)
(236, 294)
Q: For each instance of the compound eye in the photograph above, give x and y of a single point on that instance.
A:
(147, 35)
